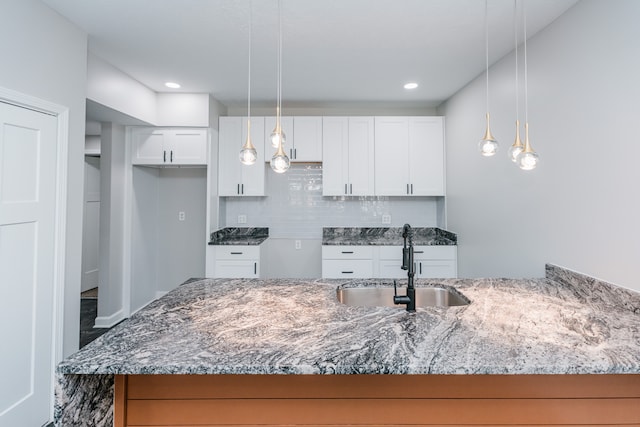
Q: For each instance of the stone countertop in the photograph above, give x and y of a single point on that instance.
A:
(565, 323)
(239, 236)
(379, 236)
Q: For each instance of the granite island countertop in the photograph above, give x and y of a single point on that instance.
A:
(386, 236)
(565, 323)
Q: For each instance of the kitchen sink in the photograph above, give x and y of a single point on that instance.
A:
(377, 296)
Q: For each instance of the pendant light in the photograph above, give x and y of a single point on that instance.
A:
(517, 146)
(279, 161)
(488, 144)
(248, 154)
(528, 158)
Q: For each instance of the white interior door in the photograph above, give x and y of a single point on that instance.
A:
(27, 225)
(91, 224)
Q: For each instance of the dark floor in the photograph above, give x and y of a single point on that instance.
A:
(88, 313)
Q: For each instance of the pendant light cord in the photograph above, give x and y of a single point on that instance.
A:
(280, 57)
(515, 32)
(249, 73)
(526, 68)
(486, 45)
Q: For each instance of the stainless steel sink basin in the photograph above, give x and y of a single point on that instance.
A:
(431, 296)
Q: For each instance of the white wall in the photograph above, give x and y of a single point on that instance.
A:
(345, 110)
(112, 225)
(164, 250)
(110, 87)
(182, 109)
(181, 249)
(45, 56)
(579, 208)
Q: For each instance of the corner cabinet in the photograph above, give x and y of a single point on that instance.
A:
(163, 146)
(347, 157)
(231, 261)
(234, 178)
(409, 156)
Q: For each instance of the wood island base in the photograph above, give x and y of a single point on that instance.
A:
(376, 400)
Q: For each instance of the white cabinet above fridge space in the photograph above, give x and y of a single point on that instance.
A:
(169, 146)
(234, 178)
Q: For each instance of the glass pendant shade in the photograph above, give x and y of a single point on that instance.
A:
(527, 159)
(248, 154)
(280, 162)
(488, 145)
(277, 136)
(517, 146)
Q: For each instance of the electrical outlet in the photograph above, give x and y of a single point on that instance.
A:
(181, 216)
(242, 219)
(386, 219)
(298, 244)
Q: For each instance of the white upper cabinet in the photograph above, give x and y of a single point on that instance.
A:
(348, 162)
(426, 156)
(162, 146)
(269, 126)
(307, 139)
(303, 138)
(234, 178)
(409, 156)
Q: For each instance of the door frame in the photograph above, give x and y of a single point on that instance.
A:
(23, 100)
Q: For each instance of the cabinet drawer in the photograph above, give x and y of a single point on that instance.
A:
(347, 252)
(237, 269)
(348, 269)
(434, 252)
(237, 252)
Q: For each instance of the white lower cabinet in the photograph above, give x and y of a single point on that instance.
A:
(235, 261)
(353, 262)
(384, 262)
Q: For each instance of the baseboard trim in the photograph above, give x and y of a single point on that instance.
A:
(109, 321)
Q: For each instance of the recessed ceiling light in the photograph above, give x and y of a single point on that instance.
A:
(411, 85)
(172, 85)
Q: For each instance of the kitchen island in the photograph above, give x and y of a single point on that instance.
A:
(266, 347)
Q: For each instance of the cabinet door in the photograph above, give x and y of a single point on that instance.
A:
(307, 140)
(148, 146)
(187, 147)
(391, 164)
(252, 176)
(230, 144)
(426, 156)
(361, 156)
(287, 128)
(335, 155)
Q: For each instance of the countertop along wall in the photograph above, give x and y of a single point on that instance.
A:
(579, 208)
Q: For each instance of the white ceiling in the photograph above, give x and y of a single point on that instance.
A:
(335, 52)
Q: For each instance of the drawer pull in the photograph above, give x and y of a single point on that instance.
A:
(418, 252)
(236, 253)
(347, 272)
(347, 252)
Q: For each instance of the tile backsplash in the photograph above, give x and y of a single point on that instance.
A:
(295, 208)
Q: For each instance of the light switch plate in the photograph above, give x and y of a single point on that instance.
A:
(242, 219)
(298, 244)
(181, 216)
(386, 219)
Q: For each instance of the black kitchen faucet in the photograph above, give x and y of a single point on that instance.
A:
(407, 264)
